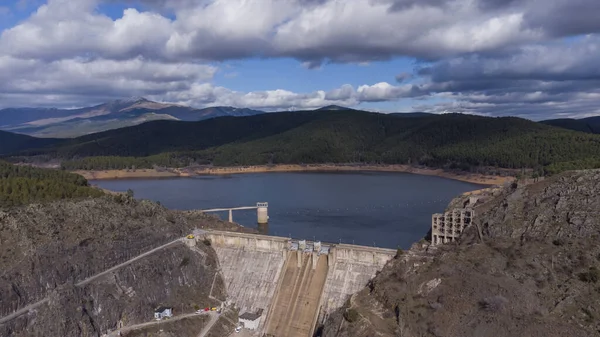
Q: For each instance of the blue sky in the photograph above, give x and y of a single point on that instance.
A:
(11, 13)
(266, 74)
(271, 73)
(520, 58)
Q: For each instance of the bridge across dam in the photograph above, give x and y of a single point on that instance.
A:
(262, 211)
(295, 283)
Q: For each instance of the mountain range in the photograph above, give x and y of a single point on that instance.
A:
(12, 142)
(454, 141)
(70, 123)
(589, 124)
(67, 123)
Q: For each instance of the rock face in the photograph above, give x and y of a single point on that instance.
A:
(47, 250)
(528, 267)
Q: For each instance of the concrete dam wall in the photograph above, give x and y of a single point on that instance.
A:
(295, 308)
(297, 284)
(352, 269)
(251, 267)
(248, 242)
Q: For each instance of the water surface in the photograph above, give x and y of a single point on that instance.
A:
(366, 208)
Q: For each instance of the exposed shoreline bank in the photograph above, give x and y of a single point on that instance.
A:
(475, 178)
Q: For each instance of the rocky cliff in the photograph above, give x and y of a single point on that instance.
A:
(528, 267)
(48, 250)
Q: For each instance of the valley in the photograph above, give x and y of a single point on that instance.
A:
(82, 250)
(450, 142)
(304, 168)
(296, 287)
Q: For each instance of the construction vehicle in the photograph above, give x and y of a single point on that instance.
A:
(190, 236)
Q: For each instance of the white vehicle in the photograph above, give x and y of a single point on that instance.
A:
(238, 328)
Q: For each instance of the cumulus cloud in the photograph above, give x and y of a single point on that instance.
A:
(209, 95)
(482, 56)
(81, 80)
(66, 29)
(342, 31)
(535, 81)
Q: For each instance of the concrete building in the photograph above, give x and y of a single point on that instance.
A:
(447, 227)
(162, 312)
(251, 321)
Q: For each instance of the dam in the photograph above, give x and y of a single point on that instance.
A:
(294, 284)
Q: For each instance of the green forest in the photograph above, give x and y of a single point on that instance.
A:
(21, 185)
(11, 142)
(453, 141)
(117, 163)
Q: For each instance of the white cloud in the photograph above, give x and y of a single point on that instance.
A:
(383, 91)
(345, 92)
(349, 31)
(68, 29)
(485, 54)
(209, 95)
(90, 79)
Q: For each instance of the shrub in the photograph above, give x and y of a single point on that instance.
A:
(399, 252)
(184, 262)
(351, 315)
(493, 303)
(119, 198)
(207, 242)
(590, 276)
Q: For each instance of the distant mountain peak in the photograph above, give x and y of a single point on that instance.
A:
(130, 100)
(334, 107)
(109, 115)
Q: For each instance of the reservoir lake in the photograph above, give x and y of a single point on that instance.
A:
(366, 208)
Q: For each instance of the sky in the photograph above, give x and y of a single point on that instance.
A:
(527, 58)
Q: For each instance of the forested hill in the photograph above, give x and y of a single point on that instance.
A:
(590, 124)
(451, 140)
(21, 185)
(11, 142)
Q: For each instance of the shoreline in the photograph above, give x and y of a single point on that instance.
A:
(475, 178)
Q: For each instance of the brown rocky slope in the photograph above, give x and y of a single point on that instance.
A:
(47, 249)
(529, 267)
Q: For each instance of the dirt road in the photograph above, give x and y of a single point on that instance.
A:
(88, 280)
(214, 317)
